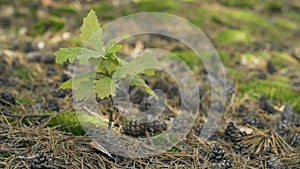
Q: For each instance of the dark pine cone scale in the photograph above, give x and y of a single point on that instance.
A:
(141, 127)
(232, 132)
(7, 99)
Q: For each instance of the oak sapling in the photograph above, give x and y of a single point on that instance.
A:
(109, 69)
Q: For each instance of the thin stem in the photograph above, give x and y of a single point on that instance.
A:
(111, 112)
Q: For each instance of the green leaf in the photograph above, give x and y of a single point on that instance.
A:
(86, 54)
(149, 72)
(91, 32)
(65, 54)
(108, 65)
(137, 81)
(137, 66)
(113, 46)
(82, 54)
(105, 87)
(115, 49)
(75, 81)
(90, 26)
(84, 89)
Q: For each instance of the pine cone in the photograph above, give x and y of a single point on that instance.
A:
(251, 118)
(60, 93)
(239, 147)
(53, 106)
(217, 153)
(273, 163)
(283, 128)
(41, 161)
(140, 127)
(232, 132)
(226, 164)
(289, 115)
(294, 140)
(7, 99)
(267, 151)
(147, 103)
(266, 105)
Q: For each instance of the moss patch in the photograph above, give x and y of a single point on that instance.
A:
(233, 36)
(157, 6)
(275, 89)
(189, 57)
(68, 122)
(62, 10)
(240, 4)
(53, 24)
(23, 73)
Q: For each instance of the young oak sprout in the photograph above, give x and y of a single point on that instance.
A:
(107, 64)
(108, 67)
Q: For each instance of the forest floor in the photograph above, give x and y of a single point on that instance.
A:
(257, 41)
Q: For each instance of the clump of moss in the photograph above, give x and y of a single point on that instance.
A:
(162, 6)
(48, 24)
(240, 4)
(62, 10)
(22, 73)
(189, 57)
(233, 36)
(5, 154)
(69, 122)
(278, 90)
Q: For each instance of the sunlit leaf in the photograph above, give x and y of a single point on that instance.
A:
(105, 87)
(137, 81)
(91, 32)
(137, 66)
(65, 54)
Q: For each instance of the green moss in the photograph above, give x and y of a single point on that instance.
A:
(205, 16)
(106, 11)
(283, 59)
(62, 10)
(275, 6)
(233, 36)
(48, 24)
(189, 57)
(103, 7)
(24, 101)
(239, 3)
(237, 75)
(248, 16)
(5, 154)
(276, 89)
(285, 24)
(295, 16)
(68, 122)
(225, 57)
(157, 5)
(22, 73)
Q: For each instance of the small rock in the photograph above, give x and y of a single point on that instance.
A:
(34, 56)
(48, 59)
(40, 45)
(65, 77)
(271, 67)
(3, 65)
(51, 72)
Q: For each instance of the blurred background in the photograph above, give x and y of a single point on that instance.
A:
(252, 37)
